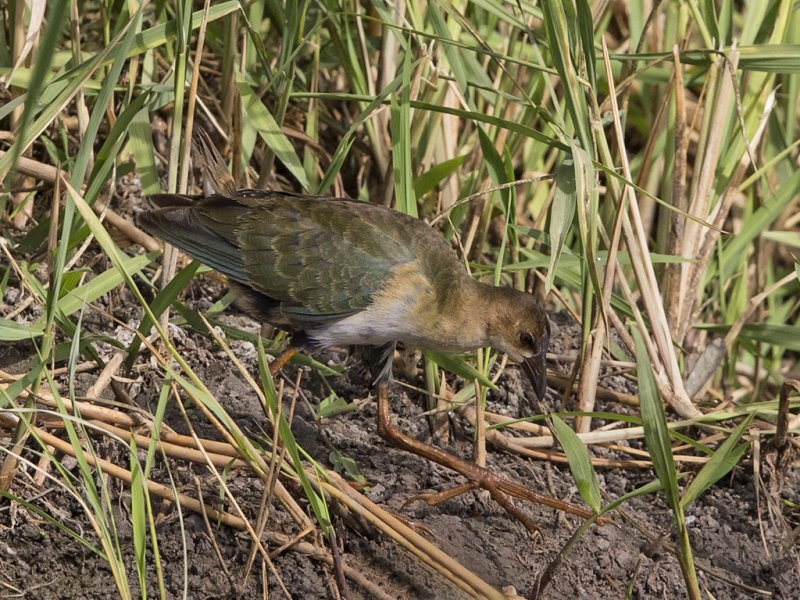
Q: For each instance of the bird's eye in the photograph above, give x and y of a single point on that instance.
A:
(525, 338)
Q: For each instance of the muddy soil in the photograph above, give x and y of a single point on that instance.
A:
(743, 552)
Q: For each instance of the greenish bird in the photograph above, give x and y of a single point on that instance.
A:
(335, 272)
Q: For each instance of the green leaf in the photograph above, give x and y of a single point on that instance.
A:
(138, 518)
(102, 284)
(141, 147)
(784, 336)
(580, 463)
(459, 366)
(721, 462)
(159, 34)
(428, 180)
(586, 33)
(400, 125)
(260, 118)
(757, 223)
(334, 405)
(451, 52)
(344, 464)
(11, 331)
(43, 55)
(656, 433)
(70, 280)
(562, 213)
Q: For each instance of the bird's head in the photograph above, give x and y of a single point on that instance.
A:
(520, 329)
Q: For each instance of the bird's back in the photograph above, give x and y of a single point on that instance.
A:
(317, 259)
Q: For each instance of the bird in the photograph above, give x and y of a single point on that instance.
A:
(338, 272)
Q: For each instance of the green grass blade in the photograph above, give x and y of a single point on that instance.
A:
(400, 122)
(317, 502)
(654, 420)
(721, 462)
(160, 303)
(580, 464)
(459, 366)
(269, 130)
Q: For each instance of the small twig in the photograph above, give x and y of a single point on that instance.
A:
(781, 439)
(520, 446)
(162, 491)
(104, 379)
(562, 382)
(86, 409)
(338, 565)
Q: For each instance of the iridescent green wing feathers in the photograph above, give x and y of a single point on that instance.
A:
(319, 257)
(175, 220)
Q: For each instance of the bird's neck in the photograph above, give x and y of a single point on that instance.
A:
(461, 320)
(482, 305)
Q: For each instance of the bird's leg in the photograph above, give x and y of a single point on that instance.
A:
(479, 477)
(280, 360)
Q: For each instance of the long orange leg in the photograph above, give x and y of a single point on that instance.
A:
(479, 477)
(280, 360)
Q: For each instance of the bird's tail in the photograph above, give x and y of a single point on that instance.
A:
(218, 179)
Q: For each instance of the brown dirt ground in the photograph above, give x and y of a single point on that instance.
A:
(733, 538)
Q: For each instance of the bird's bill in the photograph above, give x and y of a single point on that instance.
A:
(534, 368)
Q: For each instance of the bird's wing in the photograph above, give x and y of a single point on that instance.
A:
(322, 258)
(176, 221)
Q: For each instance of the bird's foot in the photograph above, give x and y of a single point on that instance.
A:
(498, 487)
(488, 485)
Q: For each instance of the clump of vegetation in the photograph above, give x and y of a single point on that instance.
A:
(635, 163)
